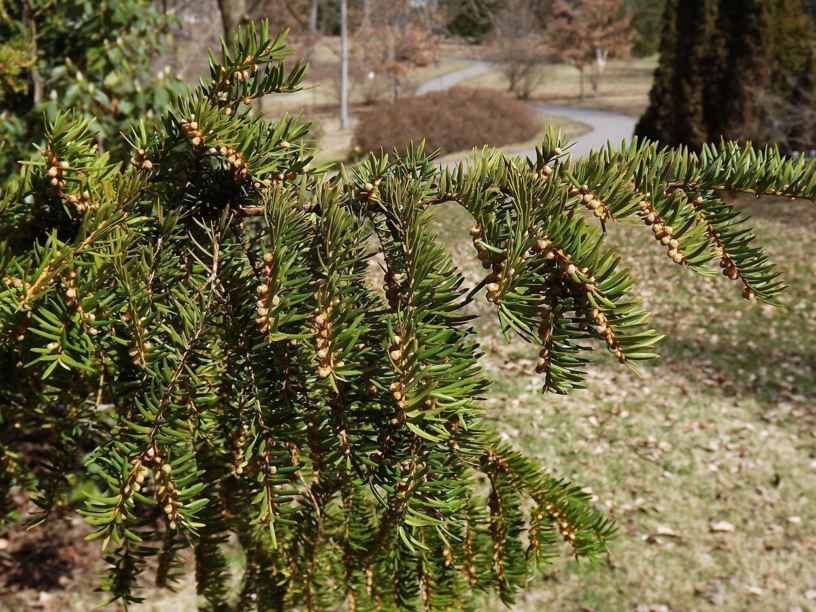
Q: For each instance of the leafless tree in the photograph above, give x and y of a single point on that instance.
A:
(788, 121)
(519, 46)
(585, 33)
(394, 37)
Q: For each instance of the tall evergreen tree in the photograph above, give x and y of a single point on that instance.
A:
(646, 18)
(725, 66)
(676, 113)
(739, 57)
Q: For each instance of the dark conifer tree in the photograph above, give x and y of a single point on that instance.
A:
(646, 18)
(735, 69)
(741, 56)
(676, 111)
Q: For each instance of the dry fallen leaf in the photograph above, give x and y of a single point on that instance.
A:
(666, 531)
(722, 527)
(754, 591)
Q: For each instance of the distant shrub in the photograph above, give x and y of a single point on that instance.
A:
(452, 121)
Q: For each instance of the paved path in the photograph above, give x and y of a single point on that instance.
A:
(446, 81)
(604, 126)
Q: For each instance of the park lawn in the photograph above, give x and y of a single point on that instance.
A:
(624, 86)
(707, 458)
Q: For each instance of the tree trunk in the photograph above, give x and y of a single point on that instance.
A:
(344, 117)
(512, 80)
(395, 88)
(595, 81)
(313, 17)
(601, 56)
(233, 14)
(581, 70)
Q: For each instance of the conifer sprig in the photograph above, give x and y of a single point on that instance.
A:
(226, 345)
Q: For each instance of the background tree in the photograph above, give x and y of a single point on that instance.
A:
(92, 56)
(197, 338)
(397, 36)
(585, 33)
(344, 65)
(647, 17)
(301, 17)
(519, 46)
(788, 102)
(676, 110)
(736, 70)
(470, 19)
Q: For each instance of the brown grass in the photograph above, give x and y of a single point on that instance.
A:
(624, 87)
(721, 428)
(451, 121)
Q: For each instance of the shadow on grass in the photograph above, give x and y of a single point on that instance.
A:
(741, 369)
(53, 557)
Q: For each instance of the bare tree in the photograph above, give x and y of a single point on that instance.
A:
(519, 46)
(295, 15)
(585, 33)
(396, 36)
(788, 121)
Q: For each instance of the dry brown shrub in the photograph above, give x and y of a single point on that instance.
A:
(451, 121)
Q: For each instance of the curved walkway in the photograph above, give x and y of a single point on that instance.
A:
(451, 79)
(605, 126)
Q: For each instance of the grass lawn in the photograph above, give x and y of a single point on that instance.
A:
(624, 86)
(707, 460)
(334, 144)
